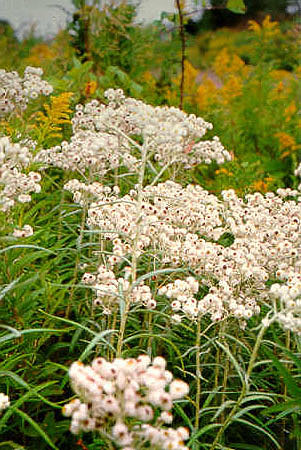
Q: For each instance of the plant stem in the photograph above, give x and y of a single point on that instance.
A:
(112, 338)
(284, 386)
(158, 176)
(135, 246)
(226, 371)
(183, 44)
(198, 374)
(77, 260)
(150, 339)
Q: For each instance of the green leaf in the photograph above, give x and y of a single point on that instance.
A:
(236, 6)
(100, 337)
(37, 427)
(36, 247)
(235, 363)
(202, 431)
(292, 387)
(184, 416)
(261, 429)
(10, 444)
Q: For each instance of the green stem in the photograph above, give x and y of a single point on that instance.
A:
(198, 374)
(77, 260)
(135, 247)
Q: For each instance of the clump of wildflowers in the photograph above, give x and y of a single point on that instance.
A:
(108, 289)
(15, 185)
(99, 152)
(182, 226)
(289, 295)
(103, 137)
(15, 92)
(128, 401)
(182, 292)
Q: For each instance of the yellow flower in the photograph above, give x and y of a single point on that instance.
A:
(221, 63)
(284, 86)
(40, 54)
(189, 77)
(285, 140)
(171, 96)
(206, 93)
(190, 86)
(267, 29)
(231, 89)
(260, 186)
(290, 111)
(56, 114)
(4, 126)
(269, 26)
(287, 143)
(281, 74)
(254, 26)
(226, 65)
(224, 171)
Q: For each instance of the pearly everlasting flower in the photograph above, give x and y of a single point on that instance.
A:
(26, 231)
(181, 225)
(288, 313)
(107, 290)
(16, 92)
(178, 389)
(103, 135)
(135, 407)
(15, 184)
(4, 401)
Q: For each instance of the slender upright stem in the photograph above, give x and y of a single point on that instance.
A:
(198, 374)
(135, 246)
(226, 365)
(284, 387)
(183, 47)
(77, 259)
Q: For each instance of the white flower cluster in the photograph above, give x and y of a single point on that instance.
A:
(167, 211)
(289, 294)
(4, 401)
(15, 91)
(101, 137)
(182, 292)
(108, 289)
(99, 152)
(127, 400)
(172, 135)
(182, 226)
(82, 192)
(26, 231)
(14, 184)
